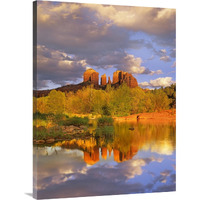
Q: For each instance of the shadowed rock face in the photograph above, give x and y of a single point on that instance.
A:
(109, 81)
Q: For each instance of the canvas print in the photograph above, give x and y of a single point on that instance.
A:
(104, 100)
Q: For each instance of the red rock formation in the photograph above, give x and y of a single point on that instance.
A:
(92, 157)
(116, 77)
(104, 153)
(95, 78)
(109, 81)
(92, 76)
(121, 157)
(103, 79)
(116, 155)
(120, 77)
(130, 80)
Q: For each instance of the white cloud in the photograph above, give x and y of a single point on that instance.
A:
(144, 84)
(159, 82)
(163, 51)
(165, 58)
(133, 65)
(151, 20)
(156, 72)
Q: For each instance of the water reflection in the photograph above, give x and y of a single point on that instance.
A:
(128, 161)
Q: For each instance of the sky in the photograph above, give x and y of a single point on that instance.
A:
(72, 37)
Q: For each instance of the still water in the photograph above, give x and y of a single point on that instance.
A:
(124, 161)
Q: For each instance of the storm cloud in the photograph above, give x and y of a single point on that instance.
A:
(73, 36)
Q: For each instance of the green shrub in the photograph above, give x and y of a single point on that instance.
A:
(39, 115)
(105, 121)
(40, 133)
(76, 121)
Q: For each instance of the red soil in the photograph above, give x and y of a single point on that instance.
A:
(166, 115)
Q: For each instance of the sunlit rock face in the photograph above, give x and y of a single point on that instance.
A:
(103, 79)
(115, 77)
(121, 77)
(92, 76)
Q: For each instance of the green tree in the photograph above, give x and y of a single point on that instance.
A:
(120, 101)
(138, 100)
(160, 100)
(98, 101)
(171, 93)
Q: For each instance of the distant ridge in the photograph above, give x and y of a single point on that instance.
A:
(90, 76)
(71, 88)
(66, 88)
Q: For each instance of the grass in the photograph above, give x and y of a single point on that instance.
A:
(42, 133)
(105, 121)
(43, 116)
(46, 126)
(76, 121)
(39, 122)
(45, 120)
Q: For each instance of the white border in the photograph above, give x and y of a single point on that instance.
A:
(16, 98)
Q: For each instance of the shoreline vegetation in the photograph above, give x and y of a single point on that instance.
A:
(53, 129)
(92, 113)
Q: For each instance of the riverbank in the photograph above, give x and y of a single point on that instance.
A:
(81, 128)
(166, 115)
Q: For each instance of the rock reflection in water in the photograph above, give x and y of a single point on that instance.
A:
(81, 163)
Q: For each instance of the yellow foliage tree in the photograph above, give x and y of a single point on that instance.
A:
(56, 102)
(42, 104)
(34, 104)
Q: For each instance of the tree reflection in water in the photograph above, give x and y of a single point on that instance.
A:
(117, 159)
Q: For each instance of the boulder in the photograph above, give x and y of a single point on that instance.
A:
(50, 140)
(40, 141)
